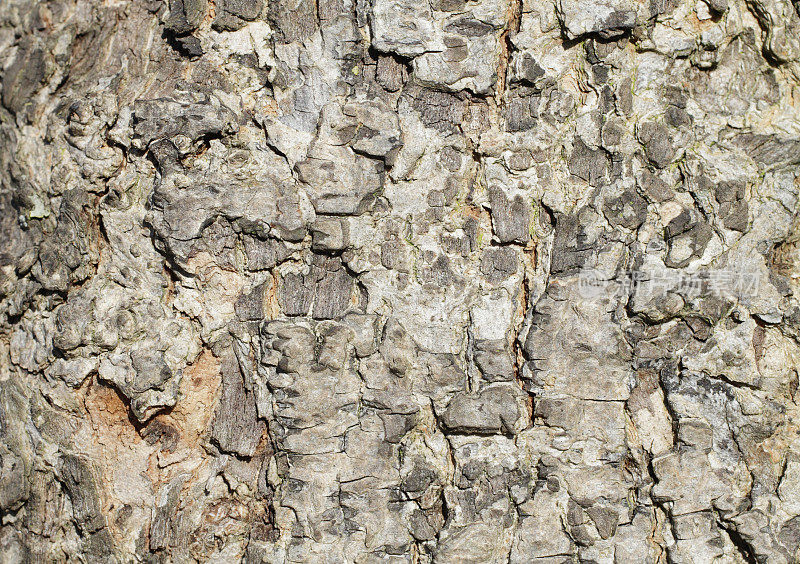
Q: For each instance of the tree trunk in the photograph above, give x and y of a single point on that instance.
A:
(398, 280)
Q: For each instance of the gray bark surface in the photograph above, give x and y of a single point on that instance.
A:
(446, 281)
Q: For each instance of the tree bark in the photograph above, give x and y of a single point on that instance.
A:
(396, 280)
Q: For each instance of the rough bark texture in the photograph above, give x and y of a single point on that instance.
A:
(399, 281)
